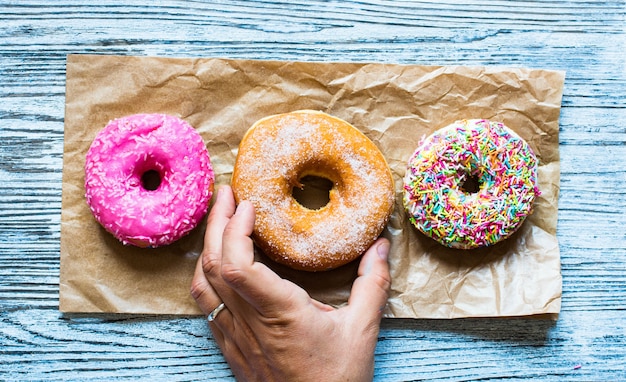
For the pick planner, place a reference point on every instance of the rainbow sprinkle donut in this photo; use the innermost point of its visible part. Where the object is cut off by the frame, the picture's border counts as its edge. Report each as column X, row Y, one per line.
column 470, row 184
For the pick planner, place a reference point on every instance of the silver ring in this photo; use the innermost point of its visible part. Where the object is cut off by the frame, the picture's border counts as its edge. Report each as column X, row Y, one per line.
column 215, row 312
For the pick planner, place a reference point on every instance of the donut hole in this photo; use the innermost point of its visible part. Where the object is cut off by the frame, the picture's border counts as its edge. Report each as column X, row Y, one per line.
column 313, row 192
column 151, row 180
column 471, row 184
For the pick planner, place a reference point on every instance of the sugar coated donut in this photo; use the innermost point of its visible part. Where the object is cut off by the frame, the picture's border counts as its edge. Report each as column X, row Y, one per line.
column 470, row 184
column 148, row 179
column 274, row 156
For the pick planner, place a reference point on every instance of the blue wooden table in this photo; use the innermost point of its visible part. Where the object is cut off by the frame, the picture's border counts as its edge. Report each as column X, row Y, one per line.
column 587, row 39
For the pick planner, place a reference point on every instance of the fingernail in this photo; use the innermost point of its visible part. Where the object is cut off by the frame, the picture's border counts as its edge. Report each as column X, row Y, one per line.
column 242, row 207
column 220, row 193
column 383, row 249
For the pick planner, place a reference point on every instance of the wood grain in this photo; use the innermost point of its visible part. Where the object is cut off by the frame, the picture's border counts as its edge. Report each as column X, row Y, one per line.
column 587, row 39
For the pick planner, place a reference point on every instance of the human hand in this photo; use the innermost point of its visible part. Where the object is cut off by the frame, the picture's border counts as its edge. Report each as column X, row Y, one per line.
column 271, row 328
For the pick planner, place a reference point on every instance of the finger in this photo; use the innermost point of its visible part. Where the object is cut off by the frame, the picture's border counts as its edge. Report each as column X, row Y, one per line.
column 371, row 288
column 223, row 323
column 253, row 281
column 238, row 344
column 220, row 215
column 208, row 300
column 202, row 291
column 208, row 288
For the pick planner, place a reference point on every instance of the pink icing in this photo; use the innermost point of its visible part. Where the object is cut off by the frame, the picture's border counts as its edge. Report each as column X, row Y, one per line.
column 165, row 147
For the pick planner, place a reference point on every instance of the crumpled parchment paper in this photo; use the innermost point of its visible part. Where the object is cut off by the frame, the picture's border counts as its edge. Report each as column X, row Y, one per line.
column 394, row 105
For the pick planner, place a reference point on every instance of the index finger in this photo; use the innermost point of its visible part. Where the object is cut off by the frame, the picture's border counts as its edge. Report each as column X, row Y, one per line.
column 267, row 292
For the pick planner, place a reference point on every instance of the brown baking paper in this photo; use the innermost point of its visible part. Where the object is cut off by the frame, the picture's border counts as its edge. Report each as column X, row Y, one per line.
column 394, row 105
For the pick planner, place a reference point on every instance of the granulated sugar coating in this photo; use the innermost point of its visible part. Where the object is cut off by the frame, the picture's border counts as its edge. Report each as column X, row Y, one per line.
column 277, row 152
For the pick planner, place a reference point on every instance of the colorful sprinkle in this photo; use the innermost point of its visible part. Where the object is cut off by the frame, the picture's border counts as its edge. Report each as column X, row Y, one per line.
column 489, row 152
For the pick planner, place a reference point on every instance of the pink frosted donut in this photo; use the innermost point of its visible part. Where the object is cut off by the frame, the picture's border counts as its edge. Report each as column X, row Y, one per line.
column 148, row 179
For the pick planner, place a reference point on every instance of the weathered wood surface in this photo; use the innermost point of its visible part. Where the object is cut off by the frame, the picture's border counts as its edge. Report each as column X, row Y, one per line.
column 587, row 39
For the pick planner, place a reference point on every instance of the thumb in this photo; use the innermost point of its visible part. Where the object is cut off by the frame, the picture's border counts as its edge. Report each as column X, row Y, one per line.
column 371, row 288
